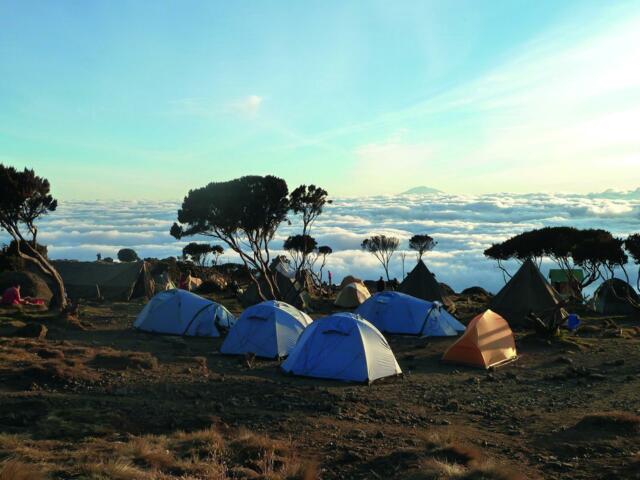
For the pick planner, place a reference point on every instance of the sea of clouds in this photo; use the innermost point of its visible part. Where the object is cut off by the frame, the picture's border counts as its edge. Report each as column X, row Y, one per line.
column 462, row 225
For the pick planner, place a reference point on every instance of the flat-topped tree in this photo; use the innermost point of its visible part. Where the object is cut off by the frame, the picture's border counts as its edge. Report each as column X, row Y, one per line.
column 244, row 214
column 383, row 248
column 299, row 248
column 308, row 202
column 632, row 244
column 596, row 251
column 199, row 252
column 24, row 198
column 128, row 255
column 422, row 243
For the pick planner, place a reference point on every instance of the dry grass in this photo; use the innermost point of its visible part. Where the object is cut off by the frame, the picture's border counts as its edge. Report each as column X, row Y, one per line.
column 203, row 454
column 611, row 423
column 13, row 469
column 118, row 360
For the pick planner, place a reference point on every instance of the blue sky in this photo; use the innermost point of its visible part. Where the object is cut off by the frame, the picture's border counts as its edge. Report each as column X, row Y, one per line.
column 144, row 100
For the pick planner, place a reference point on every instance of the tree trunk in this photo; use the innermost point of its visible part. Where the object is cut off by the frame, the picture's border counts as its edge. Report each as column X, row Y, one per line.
column 48, row 269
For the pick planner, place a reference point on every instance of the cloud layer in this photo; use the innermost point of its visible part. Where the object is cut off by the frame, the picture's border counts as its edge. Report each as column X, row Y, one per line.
column 463, row 226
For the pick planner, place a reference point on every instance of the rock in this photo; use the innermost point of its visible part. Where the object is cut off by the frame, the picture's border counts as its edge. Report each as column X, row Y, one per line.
column 563, row 359
column 32, row 330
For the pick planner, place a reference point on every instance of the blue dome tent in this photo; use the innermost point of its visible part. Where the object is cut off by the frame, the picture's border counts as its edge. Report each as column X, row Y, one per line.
column 269, row 329
column 343, row 347
column 178, row 312
column 395, row 312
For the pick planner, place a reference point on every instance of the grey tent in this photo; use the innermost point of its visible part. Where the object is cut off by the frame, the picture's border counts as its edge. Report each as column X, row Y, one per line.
column 290, row 291
column 421, row 283
column 527, row 292
column 616, row 297
column 111, row 281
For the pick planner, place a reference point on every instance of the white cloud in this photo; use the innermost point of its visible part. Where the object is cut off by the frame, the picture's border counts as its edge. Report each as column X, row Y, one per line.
column 463, row 226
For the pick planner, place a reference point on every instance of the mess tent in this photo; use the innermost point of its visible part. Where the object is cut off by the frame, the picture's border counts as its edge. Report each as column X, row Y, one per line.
column 269, row 329
column 395, row 312
column 178, row 312
column 527, row 292
column 105, row 280
column 342, row 347
column 487, row 342
column 352, row 295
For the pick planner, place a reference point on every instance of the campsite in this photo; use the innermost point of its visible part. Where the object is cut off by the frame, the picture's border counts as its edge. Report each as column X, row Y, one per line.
column 102, row 400
column 320, row 240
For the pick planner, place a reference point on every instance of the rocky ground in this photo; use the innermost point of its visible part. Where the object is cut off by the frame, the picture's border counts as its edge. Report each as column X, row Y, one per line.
column 97, row 400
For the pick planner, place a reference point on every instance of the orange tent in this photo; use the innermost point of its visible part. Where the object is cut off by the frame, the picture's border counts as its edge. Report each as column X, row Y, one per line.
column 487, row 342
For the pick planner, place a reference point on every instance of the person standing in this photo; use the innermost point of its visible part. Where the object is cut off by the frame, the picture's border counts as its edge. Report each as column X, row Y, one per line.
column 380, row 284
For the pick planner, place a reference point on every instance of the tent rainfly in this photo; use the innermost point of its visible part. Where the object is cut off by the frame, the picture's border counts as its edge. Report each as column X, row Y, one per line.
column 395, row 312
column 616, row 297
column 343, row 347
column 178, row 312
column 487, row 342
column 269, row 329
column 526, row 292
column 421, row 283
column 352, row 295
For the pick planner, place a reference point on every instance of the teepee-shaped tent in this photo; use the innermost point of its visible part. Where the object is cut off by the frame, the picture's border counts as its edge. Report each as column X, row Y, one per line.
column 178, row 312
column 352, row 295
column 395, row 312
column 487, row 342
column 526, row 292
column 344, row 347
column 421, row 283
column 269, row 329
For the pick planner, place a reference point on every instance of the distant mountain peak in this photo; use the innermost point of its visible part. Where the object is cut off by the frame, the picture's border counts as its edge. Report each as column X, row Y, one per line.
column 421, row 190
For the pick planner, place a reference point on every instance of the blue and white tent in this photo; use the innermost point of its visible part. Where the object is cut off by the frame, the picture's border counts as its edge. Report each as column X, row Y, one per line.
column 269, row 329
column 395, row 312
column 344, row 347
column 178, row 312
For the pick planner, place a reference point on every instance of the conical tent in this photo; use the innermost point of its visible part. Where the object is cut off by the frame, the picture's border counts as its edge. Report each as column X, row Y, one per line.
column 352, row 295
column 269, row 329
column 395, row 312
column 344, row 347
column 616, row 297
column 487, row 342
column 421, row 283
column 178, row 312
column 527, row 292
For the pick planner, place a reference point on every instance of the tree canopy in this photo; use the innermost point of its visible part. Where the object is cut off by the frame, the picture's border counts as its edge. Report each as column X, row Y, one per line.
column 244, row 214
column 199, row 252
column 422, row 243
column 596, row 251
column 128, row 255
column 383, row 248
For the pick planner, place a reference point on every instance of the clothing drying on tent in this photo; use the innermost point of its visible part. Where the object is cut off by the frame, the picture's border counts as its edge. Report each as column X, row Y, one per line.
column 421, row 283
column 527, row 292
column 352, row 295
column 487, row 342
column 269, row 329
column 178, row 312
column 344, row 347
column 395, row 312
column 616, row 297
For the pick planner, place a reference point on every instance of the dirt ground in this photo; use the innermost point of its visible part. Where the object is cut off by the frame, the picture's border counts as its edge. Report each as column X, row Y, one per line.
column 99, row 401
